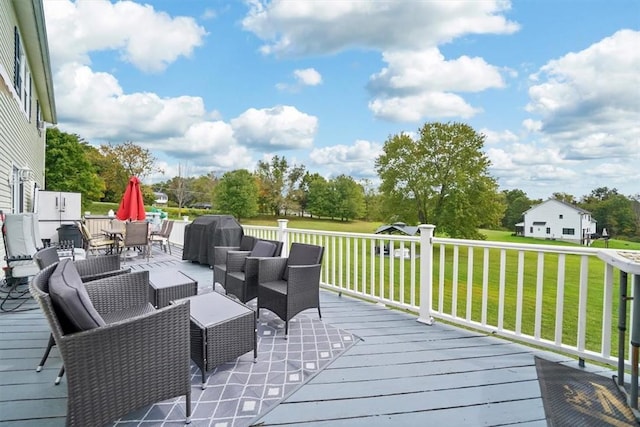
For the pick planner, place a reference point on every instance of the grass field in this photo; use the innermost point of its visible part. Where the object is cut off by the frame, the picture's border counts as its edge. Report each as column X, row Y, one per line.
column 365, row 271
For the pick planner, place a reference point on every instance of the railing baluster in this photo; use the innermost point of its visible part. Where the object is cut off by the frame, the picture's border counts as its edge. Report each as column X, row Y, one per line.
column 501, row 295
column 454, row 281
column 469, row 307
column 560, row 299
column 539, row 285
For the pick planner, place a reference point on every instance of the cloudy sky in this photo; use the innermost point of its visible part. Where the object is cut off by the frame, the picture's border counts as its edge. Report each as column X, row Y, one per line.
column 218, row 85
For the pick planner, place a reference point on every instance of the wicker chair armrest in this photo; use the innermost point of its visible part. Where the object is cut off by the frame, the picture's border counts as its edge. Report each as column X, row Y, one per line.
column 98, row 264
column 97, row 276
column 235, row 260
column 18, row 258
column 220, row 253
column 270, row 269
column 119, row 292
column 151, row 351
column 303, row 277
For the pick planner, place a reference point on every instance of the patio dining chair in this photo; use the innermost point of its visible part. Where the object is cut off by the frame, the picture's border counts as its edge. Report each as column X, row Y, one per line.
column 119, row 352
column 136, row 235
column 95, row 243
column 162, row 236
column 287, row 286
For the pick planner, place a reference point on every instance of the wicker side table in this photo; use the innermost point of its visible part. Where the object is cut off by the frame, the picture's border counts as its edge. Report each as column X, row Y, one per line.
column 168, row 285
column 222, row 330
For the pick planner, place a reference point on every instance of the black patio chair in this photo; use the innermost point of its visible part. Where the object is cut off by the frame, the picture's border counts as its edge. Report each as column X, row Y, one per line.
column 120, row 353
column 287, row 286
column 89, row 269
column 220, row 257
column 241, row 279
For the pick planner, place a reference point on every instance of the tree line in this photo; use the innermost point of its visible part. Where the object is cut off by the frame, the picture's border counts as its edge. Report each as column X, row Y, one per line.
column 439, row 176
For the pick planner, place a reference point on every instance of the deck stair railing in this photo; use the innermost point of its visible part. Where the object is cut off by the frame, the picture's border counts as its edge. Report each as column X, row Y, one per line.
column 563, row 298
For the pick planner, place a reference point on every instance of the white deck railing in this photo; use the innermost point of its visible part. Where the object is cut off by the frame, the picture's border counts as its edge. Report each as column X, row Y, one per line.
column 563, row 298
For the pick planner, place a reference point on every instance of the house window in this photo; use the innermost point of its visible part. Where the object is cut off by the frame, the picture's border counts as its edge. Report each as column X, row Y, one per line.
column 530, row 229
column 548, row 230
column 569, row 231
column 22, row 75
column 560, row 216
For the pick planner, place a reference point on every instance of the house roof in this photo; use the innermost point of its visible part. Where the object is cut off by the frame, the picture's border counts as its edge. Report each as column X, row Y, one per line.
column 579, row 209
column 398, row 227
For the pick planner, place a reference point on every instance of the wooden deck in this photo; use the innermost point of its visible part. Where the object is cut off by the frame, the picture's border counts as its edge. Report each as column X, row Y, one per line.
column 402, row 373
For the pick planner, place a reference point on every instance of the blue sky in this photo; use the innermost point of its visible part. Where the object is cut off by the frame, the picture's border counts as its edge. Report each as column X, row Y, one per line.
column 214, row 85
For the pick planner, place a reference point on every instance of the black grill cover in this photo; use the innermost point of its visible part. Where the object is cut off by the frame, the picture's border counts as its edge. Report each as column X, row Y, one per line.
column 208, row 231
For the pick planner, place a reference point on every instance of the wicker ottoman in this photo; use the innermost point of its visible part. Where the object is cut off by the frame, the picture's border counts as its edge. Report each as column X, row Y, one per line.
column 168, row 285
column 222, row 330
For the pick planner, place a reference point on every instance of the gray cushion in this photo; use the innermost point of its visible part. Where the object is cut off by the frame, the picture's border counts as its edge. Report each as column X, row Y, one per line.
column 247, row 242
column 71, row 300
column 302, row 254
column 262, row 249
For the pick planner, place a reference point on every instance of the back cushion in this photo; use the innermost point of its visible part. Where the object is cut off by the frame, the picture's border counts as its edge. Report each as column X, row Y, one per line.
column 301, row 254
column 262, row 249
column 71, row 300
column 247, row 242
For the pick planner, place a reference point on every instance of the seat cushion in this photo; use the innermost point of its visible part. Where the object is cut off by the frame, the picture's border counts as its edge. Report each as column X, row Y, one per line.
column 71, row 300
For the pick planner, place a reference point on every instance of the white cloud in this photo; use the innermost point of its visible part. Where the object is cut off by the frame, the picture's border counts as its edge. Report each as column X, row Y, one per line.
column 586, row 99
column 283, row 127
column 210, row 144
column 144, row 37
column 96, row 107
column 532, row 125
column 495, row 137
column 308, row 77
column 356, row 160
column 414, row 107
column 320, row 27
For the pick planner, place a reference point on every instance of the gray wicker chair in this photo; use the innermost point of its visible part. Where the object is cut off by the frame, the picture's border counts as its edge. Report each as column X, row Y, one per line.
column 220, row 257
column 89, row 269
column 287, row 286
column 242, row 270
column 141, row 356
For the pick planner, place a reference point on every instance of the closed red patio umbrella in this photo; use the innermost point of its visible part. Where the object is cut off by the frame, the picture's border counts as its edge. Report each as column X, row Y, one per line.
column 132, row 204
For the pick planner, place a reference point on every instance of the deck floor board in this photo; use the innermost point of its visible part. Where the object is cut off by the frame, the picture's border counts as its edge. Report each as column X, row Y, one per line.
column 401, row 372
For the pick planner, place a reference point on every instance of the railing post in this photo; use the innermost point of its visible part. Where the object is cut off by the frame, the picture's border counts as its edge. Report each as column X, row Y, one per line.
column 426, row 272
column 283, row 236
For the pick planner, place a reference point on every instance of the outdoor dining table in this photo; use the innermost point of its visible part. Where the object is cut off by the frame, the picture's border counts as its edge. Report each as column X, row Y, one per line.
column 114, row 234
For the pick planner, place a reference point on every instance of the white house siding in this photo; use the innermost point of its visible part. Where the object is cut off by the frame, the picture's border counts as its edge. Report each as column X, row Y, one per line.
column 554, row 219
column 22, row 144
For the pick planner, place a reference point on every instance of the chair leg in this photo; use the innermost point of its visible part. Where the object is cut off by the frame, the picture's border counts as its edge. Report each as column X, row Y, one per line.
column 50, row 345
column 319, row 314
column 60, row 375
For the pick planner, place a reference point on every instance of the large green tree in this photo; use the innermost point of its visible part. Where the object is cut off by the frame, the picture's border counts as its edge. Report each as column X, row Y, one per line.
column 68, row 167
column 272, row 178
column 347, row 198
column 237, row 194
column 111, row 171
column 441, row 178
column 517, row 203
column 135, row 160
column 612, row 211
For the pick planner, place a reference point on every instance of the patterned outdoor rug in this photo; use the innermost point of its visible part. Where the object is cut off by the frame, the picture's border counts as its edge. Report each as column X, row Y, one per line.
column 240, row 391
column 573, row 397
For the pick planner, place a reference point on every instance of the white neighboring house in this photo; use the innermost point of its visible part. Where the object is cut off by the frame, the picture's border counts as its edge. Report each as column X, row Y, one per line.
column 558, row 220
column 161, row 198
column 26, row 103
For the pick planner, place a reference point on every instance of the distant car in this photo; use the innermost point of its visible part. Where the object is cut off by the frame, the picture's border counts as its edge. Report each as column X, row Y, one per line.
column 201, row 206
